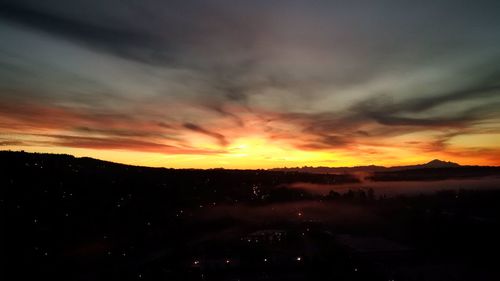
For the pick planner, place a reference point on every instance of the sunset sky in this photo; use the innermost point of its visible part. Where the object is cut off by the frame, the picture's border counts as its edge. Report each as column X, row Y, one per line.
column 252, row 84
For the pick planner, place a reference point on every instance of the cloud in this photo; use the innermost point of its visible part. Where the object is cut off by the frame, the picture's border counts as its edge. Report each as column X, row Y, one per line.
column 10, row 142
column 123, row 41
column 125, row 144
column 219, row 137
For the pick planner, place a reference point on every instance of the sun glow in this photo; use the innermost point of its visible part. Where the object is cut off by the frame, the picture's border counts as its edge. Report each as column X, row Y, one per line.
column 254, row 152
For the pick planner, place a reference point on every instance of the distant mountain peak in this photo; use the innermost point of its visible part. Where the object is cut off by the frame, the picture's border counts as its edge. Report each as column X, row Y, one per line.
column 436, row 163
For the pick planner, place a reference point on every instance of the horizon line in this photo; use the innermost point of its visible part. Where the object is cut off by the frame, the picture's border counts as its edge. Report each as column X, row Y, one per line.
column 223, row 168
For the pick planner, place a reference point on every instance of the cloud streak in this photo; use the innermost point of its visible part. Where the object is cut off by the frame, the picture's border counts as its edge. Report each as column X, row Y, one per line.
column 219, row 137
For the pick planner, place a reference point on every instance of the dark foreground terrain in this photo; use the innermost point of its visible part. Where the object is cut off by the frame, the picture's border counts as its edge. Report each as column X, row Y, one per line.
column 72, row 218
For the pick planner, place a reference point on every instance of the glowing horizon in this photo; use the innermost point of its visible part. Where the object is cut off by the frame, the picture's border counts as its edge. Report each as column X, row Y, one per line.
column 242, row 159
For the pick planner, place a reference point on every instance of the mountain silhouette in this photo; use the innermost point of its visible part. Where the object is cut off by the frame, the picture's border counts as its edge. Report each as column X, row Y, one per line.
column 436, row 163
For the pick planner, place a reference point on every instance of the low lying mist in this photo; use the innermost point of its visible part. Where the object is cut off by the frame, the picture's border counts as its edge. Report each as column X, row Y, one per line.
column 394, row 188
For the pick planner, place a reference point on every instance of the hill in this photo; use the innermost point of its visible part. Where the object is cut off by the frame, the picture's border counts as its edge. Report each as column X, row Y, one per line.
column 370, row 168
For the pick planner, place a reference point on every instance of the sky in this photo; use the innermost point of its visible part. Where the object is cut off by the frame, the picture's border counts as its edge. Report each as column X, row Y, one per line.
column 252, row 84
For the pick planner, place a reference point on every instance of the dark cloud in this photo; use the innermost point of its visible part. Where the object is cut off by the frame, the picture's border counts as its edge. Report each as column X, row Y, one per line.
column 218, row 108
column 118, row 132
column 124, row 144
column 151, row 32
column 422, row 104
column 219, row 137
column 122, row 41
column 387, row 112
column 10, row 142
column 381, row 116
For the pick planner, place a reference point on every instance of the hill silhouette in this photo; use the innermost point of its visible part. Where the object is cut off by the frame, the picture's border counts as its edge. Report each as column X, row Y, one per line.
column 436, row 163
